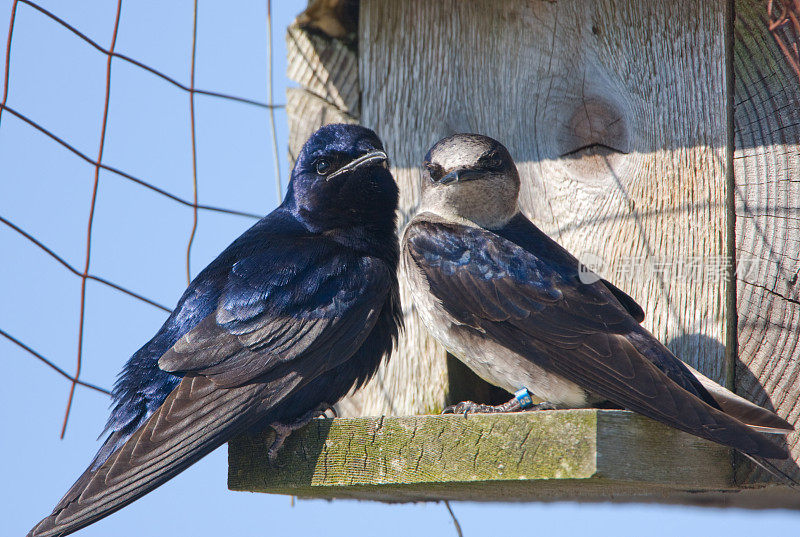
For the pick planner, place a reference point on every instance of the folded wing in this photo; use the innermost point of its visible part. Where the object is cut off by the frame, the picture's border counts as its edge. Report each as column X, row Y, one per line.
column 578, row 331
column 276, row 328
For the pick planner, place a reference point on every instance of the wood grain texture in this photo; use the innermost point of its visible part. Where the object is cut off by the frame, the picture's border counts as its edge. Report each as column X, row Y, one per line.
column 614, row 112
column 325, row 67
column 586, row 455
column 767, row 205
column 327, row 72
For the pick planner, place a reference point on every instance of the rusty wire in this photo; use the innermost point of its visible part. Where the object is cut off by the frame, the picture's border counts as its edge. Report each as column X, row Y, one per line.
column 90, row 224
column 51, row 364
column 90, row 41
column 784, row 25
column 76, row 272
column 85, row 274
column 116, row 171
column 8, row 58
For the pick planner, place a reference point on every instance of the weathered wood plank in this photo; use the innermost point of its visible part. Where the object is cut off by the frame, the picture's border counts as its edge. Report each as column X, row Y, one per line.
column 767, row 205
column 571, row 454
column 325, row 67
column 327, row 71
column 645, row 79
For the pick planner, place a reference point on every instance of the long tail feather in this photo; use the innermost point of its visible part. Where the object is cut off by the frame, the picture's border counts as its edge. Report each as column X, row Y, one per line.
column 740, row 408
column 196, row 418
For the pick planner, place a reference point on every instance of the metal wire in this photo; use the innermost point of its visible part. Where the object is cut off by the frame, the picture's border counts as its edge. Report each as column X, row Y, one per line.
column 75, row 271
column 121, row 173
column 84, row 273
column 90, row 224
column 455, row 519
column 8, row 59
column 272, row 110
column 87, row 39
column 194, row 148
column 784, row 24
column 51, row 364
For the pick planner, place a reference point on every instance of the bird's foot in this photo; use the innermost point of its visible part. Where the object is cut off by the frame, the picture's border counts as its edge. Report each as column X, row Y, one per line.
column 324, row 409
column 513, row 405
column 464, row 407
column 471, row 407
column 283, row 430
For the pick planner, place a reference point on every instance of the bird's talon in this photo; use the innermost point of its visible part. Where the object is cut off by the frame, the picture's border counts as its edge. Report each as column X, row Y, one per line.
column 282, row 432
column 471, row 407
column 452, row 409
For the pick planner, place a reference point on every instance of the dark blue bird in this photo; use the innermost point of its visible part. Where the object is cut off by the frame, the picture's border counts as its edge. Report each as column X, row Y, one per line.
column 295, row 313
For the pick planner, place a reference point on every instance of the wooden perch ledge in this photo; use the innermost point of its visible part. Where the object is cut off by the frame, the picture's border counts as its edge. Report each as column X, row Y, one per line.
column 579, row 455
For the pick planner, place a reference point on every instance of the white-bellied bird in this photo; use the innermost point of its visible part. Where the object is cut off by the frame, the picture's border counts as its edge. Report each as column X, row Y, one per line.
column 512, row 304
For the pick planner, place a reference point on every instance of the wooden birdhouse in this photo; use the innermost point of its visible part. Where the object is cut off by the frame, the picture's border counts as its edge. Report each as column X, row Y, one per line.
column 659, row 142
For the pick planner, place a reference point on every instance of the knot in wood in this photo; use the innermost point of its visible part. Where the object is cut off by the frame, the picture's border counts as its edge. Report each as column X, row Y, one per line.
column 595, row 137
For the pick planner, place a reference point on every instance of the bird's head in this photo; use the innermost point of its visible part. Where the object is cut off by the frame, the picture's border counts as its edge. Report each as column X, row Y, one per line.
column 342, row 178
column 470, row 177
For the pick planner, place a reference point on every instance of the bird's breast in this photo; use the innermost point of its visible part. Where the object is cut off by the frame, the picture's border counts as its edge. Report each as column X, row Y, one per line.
column 488, row 359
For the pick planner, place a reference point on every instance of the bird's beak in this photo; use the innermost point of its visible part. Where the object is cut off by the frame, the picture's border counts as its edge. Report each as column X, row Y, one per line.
column 451, row 177
column 459, row 175
column 369, row 158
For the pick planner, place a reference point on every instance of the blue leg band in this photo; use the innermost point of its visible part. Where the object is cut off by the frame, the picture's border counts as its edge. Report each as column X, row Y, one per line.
column 524, row 398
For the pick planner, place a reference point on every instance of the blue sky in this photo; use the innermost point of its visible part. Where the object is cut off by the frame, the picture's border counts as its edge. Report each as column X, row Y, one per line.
column 139, row 241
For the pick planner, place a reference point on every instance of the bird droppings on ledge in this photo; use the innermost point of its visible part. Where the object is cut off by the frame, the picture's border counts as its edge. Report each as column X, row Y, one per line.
column 584, row 455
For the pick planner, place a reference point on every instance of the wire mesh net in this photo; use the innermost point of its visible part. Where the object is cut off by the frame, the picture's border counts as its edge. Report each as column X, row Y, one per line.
column 784, row 24
column 28, row 12
column 782, row 17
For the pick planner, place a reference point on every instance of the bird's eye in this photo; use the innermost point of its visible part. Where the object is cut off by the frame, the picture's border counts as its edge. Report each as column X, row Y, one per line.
column 323, row 166
column 491, row 161
column 434, row 170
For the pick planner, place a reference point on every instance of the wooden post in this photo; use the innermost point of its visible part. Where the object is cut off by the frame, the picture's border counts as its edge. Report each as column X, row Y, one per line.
column 767, row 219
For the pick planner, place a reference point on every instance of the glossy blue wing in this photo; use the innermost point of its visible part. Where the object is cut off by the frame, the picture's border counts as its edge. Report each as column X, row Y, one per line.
column 312, row 310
